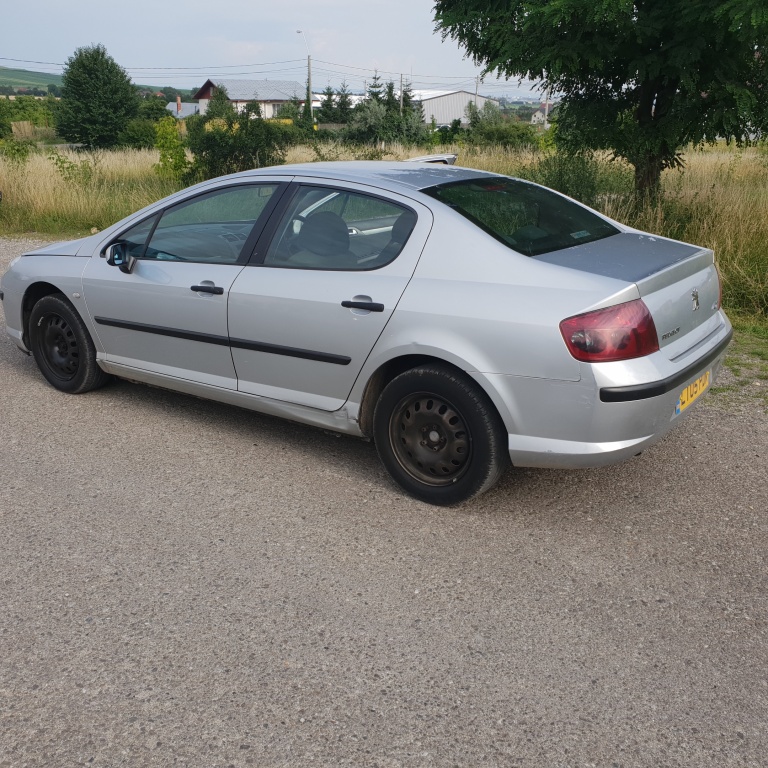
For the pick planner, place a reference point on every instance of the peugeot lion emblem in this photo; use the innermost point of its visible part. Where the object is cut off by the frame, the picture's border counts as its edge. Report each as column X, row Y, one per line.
column 695, row 297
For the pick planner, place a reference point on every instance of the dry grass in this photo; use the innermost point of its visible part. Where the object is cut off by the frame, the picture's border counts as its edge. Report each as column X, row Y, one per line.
column 86, row 191
column 720, row 200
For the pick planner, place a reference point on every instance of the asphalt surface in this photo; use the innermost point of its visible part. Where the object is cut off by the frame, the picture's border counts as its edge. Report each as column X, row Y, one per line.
column 185, row 583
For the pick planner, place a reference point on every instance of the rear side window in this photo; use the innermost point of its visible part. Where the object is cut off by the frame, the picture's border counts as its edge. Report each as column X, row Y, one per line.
column 527, row 218
column 328, row 228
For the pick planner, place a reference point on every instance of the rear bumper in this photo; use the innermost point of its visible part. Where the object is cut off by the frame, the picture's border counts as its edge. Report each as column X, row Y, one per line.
column 597, row 420
column 569, row 454
column 657, row 388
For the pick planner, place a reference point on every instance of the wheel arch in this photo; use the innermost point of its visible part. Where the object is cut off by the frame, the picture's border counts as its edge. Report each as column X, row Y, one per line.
column 32, row 295
column 397, row 365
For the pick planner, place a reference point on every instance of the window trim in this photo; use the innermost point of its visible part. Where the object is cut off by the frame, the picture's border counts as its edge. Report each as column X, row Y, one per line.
column 269, row 232
column 248, row 244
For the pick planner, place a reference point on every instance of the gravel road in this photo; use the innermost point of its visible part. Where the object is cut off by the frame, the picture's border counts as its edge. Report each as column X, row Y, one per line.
column 184, row 583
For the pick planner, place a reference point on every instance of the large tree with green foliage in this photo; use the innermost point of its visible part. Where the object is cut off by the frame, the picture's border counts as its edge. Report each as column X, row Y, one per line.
column 642, row 78
column 97, row 99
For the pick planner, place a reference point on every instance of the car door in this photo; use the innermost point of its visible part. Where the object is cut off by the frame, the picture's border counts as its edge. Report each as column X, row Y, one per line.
column 327, row 276
column 169, row 314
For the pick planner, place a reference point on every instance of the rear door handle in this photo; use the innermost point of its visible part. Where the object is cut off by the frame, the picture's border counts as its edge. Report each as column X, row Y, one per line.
column 215, row 289
column 371, row 306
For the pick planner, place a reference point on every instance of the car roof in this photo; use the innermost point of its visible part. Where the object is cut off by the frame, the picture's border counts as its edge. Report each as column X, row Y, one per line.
column 390, row 175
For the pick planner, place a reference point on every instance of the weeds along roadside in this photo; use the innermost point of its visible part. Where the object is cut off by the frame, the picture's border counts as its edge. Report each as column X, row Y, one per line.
column 719, row 201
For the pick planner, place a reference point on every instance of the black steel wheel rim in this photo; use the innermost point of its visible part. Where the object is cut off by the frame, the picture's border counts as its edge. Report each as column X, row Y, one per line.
column 59, row 346
column 430, row 439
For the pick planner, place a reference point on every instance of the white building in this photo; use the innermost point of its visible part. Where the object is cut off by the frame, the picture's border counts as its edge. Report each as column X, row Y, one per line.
column 271, row 94
column 447, row 106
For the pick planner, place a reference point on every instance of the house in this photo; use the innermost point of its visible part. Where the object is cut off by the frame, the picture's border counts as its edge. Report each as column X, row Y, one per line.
column 447, row 106
column 181, row 109
column 544, row 114
column 271, row 94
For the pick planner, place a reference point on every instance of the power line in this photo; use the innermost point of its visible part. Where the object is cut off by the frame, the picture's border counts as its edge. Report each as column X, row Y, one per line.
column 348, row 72
column 163, row 69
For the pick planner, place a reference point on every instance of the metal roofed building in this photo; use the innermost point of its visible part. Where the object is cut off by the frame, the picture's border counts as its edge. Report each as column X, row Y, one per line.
column 271, row 94
column 182, row 110
column 447, row 106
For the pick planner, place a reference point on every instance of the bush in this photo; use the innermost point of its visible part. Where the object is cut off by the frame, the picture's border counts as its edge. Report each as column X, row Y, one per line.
column 489, row 127
column 139, row 133
column 575, row 176
column 582, row 177
column 173, row 162
column 17, row 151
column 80, row 173
column 226, row 141
column 505, row 134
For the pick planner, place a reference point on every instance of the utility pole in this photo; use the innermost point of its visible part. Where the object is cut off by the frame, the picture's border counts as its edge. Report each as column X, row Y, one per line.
column 309, row 76
column 477, row 86
column 401, row 94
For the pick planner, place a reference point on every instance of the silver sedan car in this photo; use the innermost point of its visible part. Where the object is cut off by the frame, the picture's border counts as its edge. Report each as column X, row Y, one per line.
column 462, row 320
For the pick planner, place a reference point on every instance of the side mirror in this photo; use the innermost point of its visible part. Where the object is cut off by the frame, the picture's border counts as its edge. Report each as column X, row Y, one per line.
column 117, row 257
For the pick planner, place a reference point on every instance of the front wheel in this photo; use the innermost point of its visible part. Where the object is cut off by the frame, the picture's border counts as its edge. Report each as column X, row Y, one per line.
column 439, row 436
column 62, row 347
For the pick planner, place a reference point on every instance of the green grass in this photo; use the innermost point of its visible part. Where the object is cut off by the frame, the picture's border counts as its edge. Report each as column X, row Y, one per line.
column 746, row 364
column 23, row 78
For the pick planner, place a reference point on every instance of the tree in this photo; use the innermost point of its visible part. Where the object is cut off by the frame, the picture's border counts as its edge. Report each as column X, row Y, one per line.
column 344, row 106
column 153, row 109
column 326, row 113
column 375, row 88
column 290, row 110
column 97, row 99
column 642, row 78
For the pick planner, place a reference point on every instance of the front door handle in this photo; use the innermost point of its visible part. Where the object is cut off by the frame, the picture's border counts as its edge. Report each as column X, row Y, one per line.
column 371, row 306
column 215, row 289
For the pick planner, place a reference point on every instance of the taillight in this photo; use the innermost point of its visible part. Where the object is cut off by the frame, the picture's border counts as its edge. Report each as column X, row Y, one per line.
column 622, row 332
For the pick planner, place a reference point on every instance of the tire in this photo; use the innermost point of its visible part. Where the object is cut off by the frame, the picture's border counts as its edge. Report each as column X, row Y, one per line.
column 439, row 436
column 63, row 348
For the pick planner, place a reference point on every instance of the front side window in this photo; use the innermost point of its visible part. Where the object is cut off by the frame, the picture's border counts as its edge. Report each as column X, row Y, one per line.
column 529, row 219
column 336, row 229
column 210, row 228
column 132, row 242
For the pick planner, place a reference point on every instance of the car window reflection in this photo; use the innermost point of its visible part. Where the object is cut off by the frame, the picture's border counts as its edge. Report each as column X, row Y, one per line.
column 332, row 229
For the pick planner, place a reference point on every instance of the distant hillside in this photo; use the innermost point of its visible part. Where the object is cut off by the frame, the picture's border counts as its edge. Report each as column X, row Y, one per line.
column 23, row 78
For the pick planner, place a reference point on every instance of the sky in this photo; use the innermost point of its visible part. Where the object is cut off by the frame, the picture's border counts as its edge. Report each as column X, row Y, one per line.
column 184, row 43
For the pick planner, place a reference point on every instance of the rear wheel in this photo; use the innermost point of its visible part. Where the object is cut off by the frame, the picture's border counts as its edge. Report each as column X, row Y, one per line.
column 62, row 348
column 439, row 436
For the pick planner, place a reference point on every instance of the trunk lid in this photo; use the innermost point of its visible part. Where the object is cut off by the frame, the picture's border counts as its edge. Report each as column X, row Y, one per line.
column 678, row 282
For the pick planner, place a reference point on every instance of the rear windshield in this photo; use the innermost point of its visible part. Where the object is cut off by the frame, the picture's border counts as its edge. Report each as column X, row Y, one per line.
column 527, row 218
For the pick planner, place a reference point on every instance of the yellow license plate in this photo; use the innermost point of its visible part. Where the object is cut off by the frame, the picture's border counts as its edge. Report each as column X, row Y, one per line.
column 692, row 391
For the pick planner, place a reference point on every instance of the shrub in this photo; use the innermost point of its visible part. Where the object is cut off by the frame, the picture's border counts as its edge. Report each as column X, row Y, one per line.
column 79, row 173
column 139, row 133
column 225, row 141
column 17, row 151
column 173, row 162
